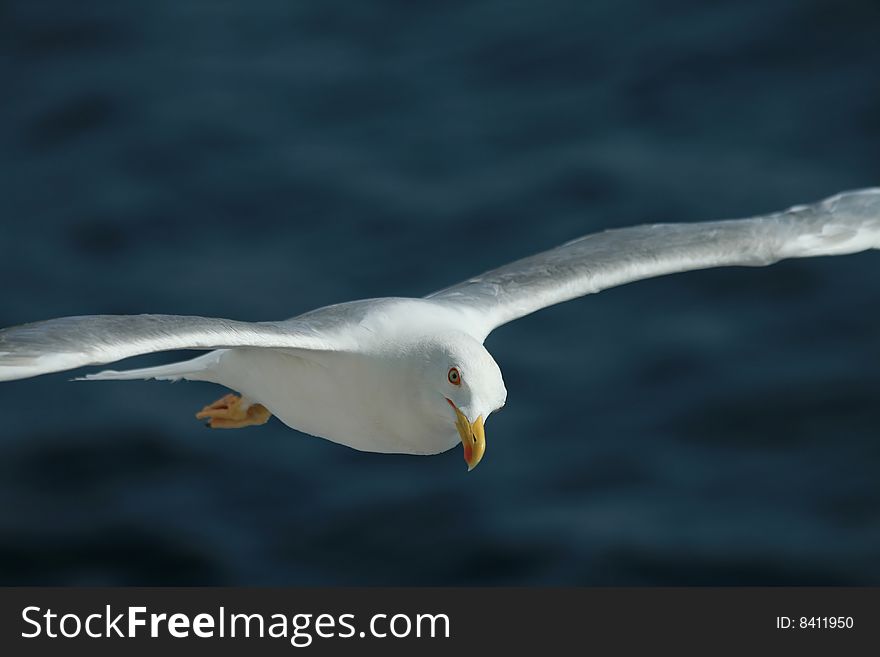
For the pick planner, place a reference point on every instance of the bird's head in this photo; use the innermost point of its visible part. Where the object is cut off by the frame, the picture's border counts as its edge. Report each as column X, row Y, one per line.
column 461, row 385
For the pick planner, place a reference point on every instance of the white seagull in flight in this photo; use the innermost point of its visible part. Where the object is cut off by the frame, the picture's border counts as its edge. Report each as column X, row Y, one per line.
column 412, row 375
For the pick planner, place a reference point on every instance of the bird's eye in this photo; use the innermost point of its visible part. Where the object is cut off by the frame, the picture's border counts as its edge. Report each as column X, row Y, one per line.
column 454, row 376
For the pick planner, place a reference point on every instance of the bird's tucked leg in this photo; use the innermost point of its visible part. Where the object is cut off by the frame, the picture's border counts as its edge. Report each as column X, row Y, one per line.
column 232, row 412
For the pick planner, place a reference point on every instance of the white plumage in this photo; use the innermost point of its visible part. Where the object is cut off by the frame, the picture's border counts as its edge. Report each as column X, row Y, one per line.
column 376, row 374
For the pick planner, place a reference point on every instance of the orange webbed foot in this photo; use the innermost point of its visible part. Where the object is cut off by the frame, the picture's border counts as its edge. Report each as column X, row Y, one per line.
column 230, row 412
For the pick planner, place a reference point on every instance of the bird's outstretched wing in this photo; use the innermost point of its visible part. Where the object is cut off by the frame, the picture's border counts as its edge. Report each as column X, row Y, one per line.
column 846, row 223
column 62, row 344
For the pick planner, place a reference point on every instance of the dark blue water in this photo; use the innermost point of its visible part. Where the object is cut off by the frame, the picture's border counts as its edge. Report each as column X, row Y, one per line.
column 257, row 159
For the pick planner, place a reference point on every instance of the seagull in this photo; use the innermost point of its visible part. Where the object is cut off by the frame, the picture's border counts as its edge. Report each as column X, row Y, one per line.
column 411, row 375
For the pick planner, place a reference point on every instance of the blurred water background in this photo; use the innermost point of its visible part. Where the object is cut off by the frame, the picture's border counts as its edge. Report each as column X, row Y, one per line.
column 257, row 159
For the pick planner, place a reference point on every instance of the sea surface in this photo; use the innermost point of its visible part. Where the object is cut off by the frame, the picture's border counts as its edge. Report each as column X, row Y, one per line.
column 257, row 159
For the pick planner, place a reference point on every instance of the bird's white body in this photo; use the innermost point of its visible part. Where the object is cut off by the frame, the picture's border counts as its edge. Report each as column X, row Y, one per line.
column 334, row 395
column 345, row 396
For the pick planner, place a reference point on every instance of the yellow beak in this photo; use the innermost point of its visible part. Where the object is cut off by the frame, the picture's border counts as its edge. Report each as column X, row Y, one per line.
column 473, row 437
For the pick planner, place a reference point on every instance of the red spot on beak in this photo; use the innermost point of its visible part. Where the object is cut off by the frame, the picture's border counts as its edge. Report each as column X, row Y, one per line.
column 468, row 453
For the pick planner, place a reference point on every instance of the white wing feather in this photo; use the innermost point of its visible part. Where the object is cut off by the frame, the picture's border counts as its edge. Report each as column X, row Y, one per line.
column 846, row 223
column 69, row 342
